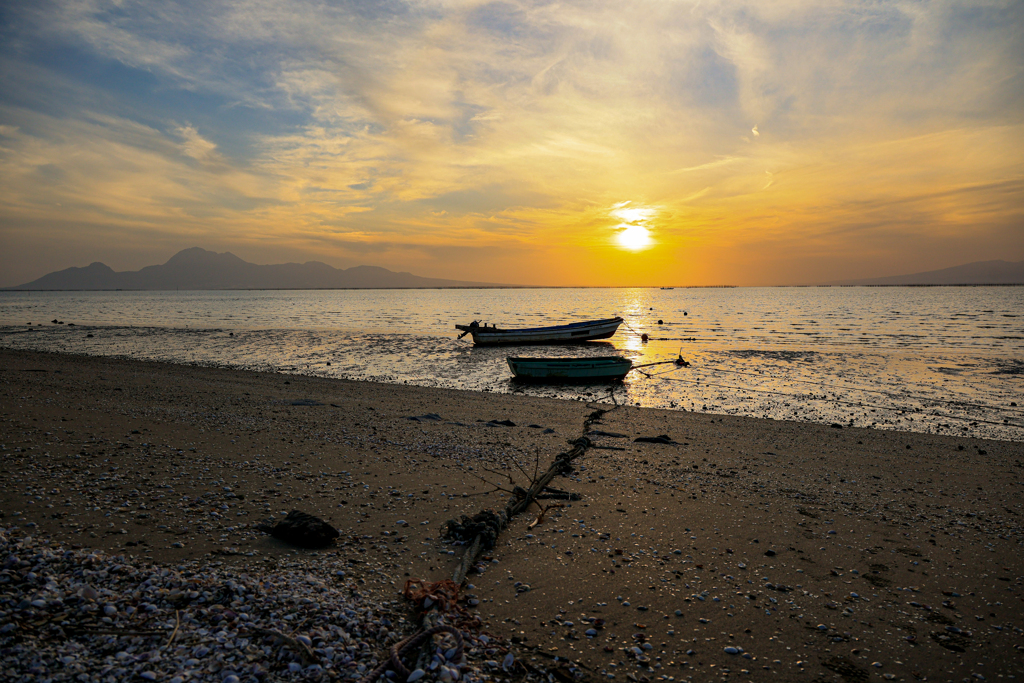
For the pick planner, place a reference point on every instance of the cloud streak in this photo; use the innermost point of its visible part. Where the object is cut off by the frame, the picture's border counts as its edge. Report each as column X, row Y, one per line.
column 341, row 131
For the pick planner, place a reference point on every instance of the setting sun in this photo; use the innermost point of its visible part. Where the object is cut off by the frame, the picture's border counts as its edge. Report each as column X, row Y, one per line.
column 634, row 238
column 634, row 228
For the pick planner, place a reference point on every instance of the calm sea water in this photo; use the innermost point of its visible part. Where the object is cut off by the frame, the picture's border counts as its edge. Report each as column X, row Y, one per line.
column 929, row 359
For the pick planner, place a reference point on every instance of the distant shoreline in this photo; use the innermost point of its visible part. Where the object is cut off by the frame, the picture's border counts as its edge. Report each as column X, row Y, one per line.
column 963, row 284
column 348, row 289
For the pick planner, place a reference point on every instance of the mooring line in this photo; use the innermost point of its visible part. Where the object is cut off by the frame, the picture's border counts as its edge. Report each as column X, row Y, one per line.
column 878, row 391
column 843, row 402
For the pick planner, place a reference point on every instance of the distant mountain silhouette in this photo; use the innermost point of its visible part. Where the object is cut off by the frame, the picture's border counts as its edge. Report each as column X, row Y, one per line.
column 198, row 268
column 977, row 273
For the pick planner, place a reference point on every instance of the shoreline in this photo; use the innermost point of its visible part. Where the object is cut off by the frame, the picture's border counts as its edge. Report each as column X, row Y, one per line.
column 770, row 383
column 345, row 289
column 866, row 527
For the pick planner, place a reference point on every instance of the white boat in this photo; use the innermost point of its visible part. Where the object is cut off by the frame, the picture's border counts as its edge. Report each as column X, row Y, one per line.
column 558, row 334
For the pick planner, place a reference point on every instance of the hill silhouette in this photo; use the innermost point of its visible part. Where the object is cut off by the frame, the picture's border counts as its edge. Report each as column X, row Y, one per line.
column 197, row 268
column 977, row 273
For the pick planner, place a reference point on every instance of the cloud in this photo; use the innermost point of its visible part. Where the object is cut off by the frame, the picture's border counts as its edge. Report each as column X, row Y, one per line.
column 102, row 170
column 475, row 123
column 195, row 146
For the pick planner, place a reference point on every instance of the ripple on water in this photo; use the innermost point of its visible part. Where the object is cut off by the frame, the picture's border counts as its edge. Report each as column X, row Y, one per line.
column 921, row 359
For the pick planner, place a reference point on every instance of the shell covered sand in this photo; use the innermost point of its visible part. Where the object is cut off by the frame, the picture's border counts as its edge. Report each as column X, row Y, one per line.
column 81, row 615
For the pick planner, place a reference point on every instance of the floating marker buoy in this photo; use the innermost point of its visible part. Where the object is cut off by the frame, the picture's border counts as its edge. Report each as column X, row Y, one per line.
column 644, row 337
column 660, row 321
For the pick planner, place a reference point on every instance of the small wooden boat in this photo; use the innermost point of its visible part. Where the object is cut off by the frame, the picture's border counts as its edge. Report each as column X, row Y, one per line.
column 595, row 369
column 558, row 334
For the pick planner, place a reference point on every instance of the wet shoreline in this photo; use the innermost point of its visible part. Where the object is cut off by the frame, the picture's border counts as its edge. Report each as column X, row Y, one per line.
column 919, row 391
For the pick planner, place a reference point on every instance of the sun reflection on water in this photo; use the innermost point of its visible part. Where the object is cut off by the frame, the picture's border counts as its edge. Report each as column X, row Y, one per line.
column 634, row 305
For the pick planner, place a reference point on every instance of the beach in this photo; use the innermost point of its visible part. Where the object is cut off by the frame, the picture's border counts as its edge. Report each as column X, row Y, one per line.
column 734, row 548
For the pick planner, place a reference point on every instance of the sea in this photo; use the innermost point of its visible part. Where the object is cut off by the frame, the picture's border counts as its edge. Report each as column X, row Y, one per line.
column 946, row 360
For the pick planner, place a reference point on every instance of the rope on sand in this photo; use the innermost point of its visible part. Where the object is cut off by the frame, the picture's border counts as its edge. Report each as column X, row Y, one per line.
column 483, row 528
column 402, row 647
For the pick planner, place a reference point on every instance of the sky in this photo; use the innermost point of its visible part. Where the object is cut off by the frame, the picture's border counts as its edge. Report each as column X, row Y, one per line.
column 648, row 143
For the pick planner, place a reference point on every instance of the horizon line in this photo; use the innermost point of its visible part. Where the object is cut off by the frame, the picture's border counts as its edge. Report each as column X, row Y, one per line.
column 328, row 289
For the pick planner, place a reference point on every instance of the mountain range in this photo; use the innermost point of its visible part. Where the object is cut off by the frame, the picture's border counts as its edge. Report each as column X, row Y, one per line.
column 198, row 268
column 977, row 273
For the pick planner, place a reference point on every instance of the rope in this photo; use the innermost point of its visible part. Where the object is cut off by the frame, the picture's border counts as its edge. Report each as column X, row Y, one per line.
column 402, row 647
column 840, row 401
column 639, row 334
column 487, row 524
column 922, row 399
column 880, row 392
column 877, row 391
column 676, row 361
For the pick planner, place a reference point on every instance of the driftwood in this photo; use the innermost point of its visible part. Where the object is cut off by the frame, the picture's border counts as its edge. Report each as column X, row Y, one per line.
column 468, row 558
column 663, row 439
column 484, row 527
column 303, row 650
column 177, row 625
column 497, row 521
column 540, row 517
column 76, row 630
column 557, row 494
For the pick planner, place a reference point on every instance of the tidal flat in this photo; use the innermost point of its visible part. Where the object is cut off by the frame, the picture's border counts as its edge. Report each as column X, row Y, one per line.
column 737, row 548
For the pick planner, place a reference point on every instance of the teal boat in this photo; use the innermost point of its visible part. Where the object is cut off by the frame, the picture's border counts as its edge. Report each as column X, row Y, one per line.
column 594, row 369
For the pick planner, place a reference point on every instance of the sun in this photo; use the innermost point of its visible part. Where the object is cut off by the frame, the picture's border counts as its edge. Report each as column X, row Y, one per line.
column 634, row 237
column 634, row 229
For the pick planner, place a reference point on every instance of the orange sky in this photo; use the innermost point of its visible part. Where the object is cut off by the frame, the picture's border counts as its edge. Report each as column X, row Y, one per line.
column 650, row 143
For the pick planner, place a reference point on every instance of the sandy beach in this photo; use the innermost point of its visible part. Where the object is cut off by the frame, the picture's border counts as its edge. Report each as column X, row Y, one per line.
column 735, row 549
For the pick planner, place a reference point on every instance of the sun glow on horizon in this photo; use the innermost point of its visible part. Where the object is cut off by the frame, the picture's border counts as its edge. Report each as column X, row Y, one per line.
column 634, row 229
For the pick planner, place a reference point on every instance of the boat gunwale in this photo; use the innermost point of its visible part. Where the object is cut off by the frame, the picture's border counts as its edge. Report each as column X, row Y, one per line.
column 568, row 359
column 618, row 320
column 565, row 369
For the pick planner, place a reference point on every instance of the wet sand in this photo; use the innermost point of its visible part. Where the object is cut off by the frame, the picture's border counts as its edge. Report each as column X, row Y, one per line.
column 748, row 550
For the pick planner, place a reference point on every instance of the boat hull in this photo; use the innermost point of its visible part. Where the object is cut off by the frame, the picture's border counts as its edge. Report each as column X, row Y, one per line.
column 597, row 369
column 558, row 334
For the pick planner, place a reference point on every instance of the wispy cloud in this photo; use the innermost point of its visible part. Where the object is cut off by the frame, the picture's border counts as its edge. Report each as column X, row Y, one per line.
column 441, row 126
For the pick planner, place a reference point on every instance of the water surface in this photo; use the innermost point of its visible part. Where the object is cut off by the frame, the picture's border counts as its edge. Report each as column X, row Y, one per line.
column 930, row 359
